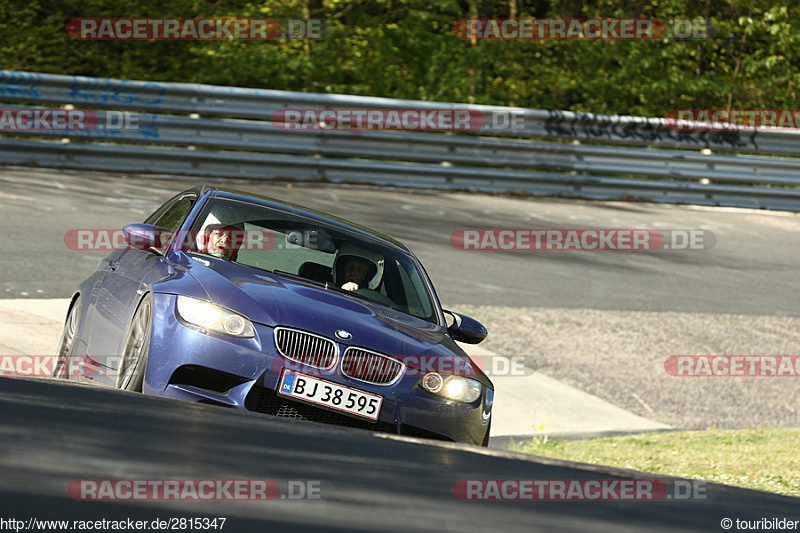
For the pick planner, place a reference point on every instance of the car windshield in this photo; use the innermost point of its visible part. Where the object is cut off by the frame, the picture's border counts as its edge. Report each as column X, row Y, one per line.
column 284, row 243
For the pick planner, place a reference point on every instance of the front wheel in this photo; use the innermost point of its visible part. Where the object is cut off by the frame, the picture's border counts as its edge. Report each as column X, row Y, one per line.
column 67, row 344
column 136, row 348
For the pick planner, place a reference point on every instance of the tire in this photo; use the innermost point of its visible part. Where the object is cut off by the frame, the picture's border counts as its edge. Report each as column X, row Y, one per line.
column 136, row 348
column 67, row 344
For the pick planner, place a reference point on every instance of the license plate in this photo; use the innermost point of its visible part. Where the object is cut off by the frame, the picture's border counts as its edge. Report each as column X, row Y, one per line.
column 339, row 397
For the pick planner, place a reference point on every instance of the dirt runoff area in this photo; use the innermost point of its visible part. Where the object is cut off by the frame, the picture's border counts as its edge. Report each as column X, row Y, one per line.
column 629, row 358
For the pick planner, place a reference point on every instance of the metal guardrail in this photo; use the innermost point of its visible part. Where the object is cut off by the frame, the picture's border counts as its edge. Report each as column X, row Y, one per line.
column 255, row 148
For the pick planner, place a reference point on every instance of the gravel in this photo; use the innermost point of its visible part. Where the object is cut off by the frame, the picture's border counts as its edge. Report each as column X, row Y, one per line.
column 619, row 356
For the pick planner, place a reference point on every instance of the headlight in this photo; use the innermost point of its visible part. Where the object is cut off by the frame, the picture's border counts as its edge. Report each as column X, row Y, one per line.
column 213, row 317
column 452, row 387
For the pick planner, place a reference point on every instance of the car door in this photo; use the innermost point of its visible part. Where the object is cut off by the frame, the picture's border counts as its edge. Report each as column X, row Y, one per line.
column 131, row 274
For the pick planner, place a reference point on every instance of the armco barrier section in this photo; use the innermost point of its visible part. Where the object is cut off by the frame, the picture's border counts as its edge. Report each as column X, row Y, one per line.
column 202, row 130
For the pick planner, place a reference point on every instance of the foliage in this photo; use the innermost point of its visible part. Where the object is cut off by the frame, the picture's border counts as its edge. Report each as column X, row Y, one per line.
column 407, row 49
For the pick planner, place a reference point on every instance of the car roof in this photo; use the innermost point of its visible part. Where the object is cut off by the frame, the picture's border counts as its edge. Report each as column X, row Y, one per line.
column 296, row 209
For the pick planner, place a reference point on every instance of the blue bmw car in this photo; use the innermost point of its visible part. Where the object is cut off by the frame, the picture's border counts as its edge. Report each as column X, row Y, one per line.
column 238, row 300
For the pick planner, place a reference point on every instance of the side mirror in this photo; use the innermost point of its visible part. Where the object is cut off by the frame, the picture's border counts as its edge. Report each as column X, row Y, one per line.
column 466, row 329
column 146, row 237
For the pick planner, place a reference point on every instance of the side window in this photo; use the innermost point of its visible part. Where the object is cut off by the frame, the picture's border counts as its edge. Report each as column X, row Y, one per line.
column 176, row 203
column 171, row 215
column 175, row 214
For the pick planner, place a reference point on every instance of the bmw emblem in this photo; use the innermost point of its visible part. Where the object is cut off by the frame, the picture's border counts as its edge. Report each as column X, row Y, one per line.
column 342, row 334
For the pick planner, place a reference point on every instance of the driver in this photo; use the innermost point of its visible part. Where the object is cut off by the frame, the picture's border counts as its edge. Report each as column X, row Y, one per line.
column 354, row 268
column 221, row 241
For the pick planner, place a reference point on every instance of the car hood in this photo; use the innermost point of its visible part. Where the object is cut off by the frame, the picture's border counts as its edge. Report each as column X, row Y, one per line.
column 277, row 300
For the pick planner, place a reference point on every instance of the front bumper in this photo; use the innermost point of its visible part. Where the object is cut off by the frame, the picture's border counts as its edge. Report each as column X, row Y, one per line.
column 188, row 364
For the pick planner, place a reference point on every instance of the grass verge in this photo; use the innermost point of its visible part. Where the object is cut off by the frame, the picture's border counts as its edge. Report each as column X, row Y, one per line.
column 763, row 458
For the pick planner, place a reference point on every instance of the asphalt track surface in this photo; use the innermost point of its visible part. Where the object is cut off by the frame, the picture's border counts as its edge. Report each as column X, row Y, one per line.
column 752, row 268
column 56, row 432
